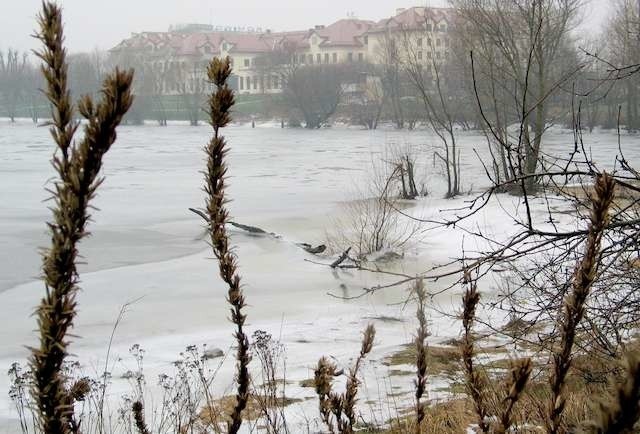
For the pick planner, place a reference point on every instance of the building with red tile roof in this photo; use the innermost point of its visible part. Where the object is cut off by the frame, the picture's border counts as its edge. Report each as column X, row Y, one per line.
column 187, row 49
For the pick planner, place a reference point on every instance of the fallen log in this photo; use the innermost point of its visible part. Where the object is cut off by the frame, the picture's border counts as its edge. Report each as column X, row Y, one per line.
column 258, row 231
column 311, row 249
column 250, row 229
column 341, row 259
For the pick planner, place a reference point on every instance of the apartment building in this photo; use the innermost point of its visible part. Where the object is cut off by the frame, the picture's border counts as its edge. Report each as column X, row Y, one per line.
column 176, row 59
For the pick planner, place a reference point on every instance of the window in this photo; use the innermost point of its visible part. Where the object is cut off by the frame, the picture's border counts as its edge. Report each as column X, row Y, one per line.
column 225, row 46
column 429, row 55
column 429, row 42
column 319, row 58
column 438, row 42
column 419, row 54
column 276, row 83
column 366, row 40
column 255, row 83
column 442, row 28
column 248, row 83
column 439, row 55
column 302, row 56
column 311, row 59
column 207, row 49
column 247, row 63
column 446, row 42
column 429, row 27
column 419, row 42
column 326, row 57
column 350, row 57
column 241, row 83
column 360, row 57
column 335, row 57
column 268, row 83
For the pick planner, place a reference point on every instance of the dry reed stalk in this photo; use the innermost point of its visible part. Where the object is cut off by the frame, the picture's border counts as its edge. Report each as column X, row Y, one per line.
column 475, row 383
column 421, row 354
column 520, row 372
column 574, row 304
column 78, row 167
column 349, row 400
column 220, row 103
column 323, row 380
column 138, row 417
column 341, row 406
column 621, row 413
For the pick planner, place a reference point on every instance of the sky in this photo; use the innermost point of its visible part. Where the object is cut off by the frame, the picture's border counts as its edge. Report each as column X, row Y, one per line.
column 101, row 24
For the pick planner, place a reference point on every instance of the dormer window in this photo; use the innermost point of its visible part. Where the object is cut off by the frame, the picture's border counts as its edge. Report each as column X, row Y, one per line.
column 207, row 49
column 225, row 46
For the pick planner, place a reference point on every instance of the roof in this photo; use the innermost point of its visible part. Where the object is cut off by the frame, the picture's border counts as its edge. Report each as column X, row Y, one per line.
column 186, row 44
column 347, row 32
column 344, row 32
column 414, row 18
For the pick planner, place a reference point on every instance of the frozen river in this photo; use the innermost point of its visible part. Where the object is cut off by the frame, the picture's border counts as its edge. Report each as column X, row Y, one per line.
column 147, row 246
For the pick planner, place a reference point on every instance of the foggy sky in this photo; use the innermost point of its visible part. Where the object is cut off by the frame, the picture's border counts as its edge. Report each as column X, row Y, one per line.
column 101, row 24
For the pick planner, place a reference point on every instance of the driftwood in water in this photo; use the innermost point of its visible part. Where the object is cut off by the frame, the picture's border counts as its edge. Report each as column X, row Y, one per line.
column 341, row 259
column 251, row 229
column 258, row 231
column 311, row 249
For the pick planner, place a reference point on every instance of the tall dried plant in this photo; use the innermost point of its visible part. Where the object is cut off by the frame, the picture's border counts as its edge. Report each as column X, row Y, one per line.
column 621, row 413
column 574, row 304
column 516, row 383
column 341, row 406
column 138, row 416
column 78, row 167
column 421, row 353
column 220, row 103
column 475, row 382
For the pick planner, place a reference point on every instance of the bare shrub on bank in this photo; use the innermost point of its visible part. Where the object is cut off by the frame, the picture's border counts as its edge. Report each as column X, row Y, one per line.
column 371, row 221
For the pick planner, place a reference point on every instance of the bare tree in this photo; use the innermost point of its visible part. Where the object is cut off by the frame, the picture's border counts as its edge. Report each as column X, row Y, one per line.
column 371, row 221
column 315, row 92
column 525, row 41
column 365, row 105
column 391, row 77
column 13, row 80
column 623, row 31
column 192, row 88
column 427, row 78
column 85, row 73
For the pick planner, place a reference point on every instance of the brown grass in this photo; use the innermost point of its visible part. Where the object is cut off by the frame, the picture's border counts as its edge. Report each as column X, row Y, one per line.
column 225, row 405
column 449, row 417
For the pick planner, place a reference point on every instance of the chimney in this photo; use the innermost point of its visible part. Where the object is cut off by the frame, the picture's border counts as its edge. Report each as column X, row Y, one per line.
column 399, row 11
